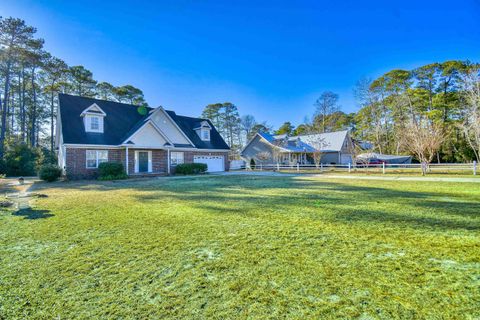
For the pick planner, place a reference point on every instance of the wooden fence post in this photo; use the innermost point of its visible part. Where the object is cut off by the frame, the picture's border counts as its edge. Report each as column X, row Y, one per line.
column 321, row 167
column 278, row 166
column 349, row 167
column 383, row 167
column 474, row 168
column 298, row 167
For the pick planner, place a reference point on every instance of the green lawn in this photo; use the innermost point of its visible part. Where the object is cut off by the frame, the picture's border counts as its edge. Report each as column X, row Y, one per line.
column 244, row 247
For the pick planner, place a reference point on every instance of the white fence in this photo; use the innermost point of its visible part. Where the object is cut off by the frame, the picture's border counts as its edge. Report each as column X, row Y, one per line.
column 457, row 168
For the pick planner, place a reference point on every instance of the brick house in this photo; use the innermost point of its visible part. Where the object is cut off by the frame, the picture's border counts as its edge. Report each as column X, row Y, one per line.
column 147, row 141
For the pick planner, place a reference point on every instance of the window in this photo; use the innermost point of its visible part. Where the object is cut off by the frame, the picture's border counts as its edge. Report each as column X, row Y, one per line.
column 176, row 158
column 93, row 123
column 95, row 157
column 205, row 134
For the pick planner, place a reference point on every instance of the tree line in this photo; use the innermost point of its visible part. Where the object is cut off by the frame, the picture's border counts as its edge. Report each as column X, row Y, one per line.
column 31, row 79
column 431, row 112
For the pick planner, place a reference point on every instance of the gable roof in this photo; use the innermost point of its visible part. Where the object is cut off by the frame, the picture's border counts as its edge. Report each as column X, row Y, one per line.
column 120, row 118
column 329, row 141
column 121, row 122
column 188, row 125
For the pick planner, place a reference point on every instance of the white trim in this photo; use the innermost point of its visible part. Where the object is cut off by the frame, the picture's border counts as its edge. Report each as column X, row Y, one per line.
column 202, row 130
column 177, row 152
column 172, row 121
column 96, row 158
column 93, row 146
column 87, row 121
column 204, row 124
column 101, row 146
column 168, row 161
column 154, row 126
column 149, row 161
column 200, row 150
column 94, row 105
column 126, row 160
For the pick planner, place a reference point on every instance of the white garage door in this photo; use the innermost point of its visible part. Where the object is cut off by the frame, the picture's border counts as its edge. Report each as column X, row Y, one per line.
column 214, row 163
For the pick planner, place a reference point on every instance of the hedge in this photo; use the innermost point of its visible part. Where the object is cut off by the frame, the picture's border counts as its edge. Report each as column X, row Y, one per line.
column 191, row 168
column 111, row 171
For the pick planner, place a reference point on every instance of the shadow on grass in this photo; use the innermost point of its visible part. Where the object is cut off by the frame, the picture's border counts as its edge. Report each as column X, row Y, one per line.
column 242, row 195
column 400, row 219
column 32, row 214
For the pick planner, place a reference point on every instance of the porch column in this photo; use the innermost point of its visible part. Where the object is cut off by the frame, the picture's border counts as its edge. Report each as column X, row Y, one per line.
column 168, row 161
column 126, row 160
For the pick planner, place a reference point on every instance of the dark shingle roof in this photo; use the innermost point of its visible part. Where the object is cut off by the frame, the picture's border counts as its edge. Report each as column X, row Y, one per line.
column 121, row 121
column 188, row 124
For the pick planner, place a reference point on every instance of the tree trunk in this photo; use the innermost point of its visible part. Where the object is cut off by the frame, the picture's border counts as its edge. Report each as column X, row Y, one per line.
column 33, row 136
column 4, row 109
column 23, row 118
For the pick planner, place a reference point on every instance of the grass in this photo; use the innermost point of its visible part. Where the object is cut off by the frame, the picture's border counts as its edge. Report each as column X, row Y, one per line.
column 243, row 247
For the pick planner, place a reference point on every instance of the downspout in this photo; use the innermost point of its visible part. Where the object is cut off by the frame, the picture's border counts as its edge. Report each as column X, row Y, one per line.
column 126, row 160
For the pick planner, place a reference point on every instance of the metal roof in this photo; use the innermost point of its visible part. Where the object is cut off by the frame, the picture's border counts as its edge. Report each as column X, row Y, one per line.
column 324, row 142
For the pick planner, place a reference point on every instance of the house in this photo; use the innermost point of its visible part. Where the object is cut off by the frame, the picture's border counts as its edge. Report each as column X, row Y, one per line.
column 330, row 148
column 147, row 141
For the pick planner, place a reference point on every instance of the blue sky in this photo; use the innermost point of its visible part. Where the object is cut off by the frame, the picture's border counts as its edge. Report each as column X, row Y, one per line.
column 271, row 58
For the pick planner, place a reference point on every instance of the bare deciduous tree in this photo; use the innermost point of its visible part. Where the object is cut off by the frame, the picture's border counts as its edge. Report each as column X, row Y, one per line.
column 423, row 139
column 326, row 104
column 471, row 125
column 319, row 144
column 263, row 156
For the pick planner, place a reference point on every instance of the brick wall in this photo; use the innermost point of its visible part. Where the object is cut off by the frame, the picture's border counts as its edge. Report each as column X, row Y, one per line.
column 76, row 161
column 159, row 161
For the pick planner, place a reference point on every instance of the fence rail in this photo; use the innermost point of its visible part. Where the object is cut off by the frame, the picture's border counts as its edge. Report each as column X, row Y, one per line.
column 458, row 168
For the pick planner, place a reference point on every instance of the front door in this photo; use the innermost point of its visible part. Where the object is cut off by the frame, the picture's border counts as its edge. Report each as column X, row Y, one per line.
column 143, row 161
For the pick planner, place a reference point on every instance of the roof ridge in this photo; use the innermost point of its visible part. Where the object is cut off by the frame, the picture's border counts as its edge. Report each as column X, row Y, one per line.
column 196, row 118
column 103, row 100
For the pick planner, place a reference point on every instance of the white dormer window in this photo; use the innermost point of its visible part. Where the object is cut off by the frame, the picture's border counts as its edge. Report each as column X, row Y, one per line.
column 93, row 123
column 93, row 118
column 205, row 132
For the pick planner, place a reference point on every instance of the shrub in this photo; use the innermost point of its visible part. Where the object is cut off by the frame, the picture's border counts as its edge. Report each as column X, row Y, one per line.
column 21, row 160
column 111, row 171
column 191, row 168
column 50, row 172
